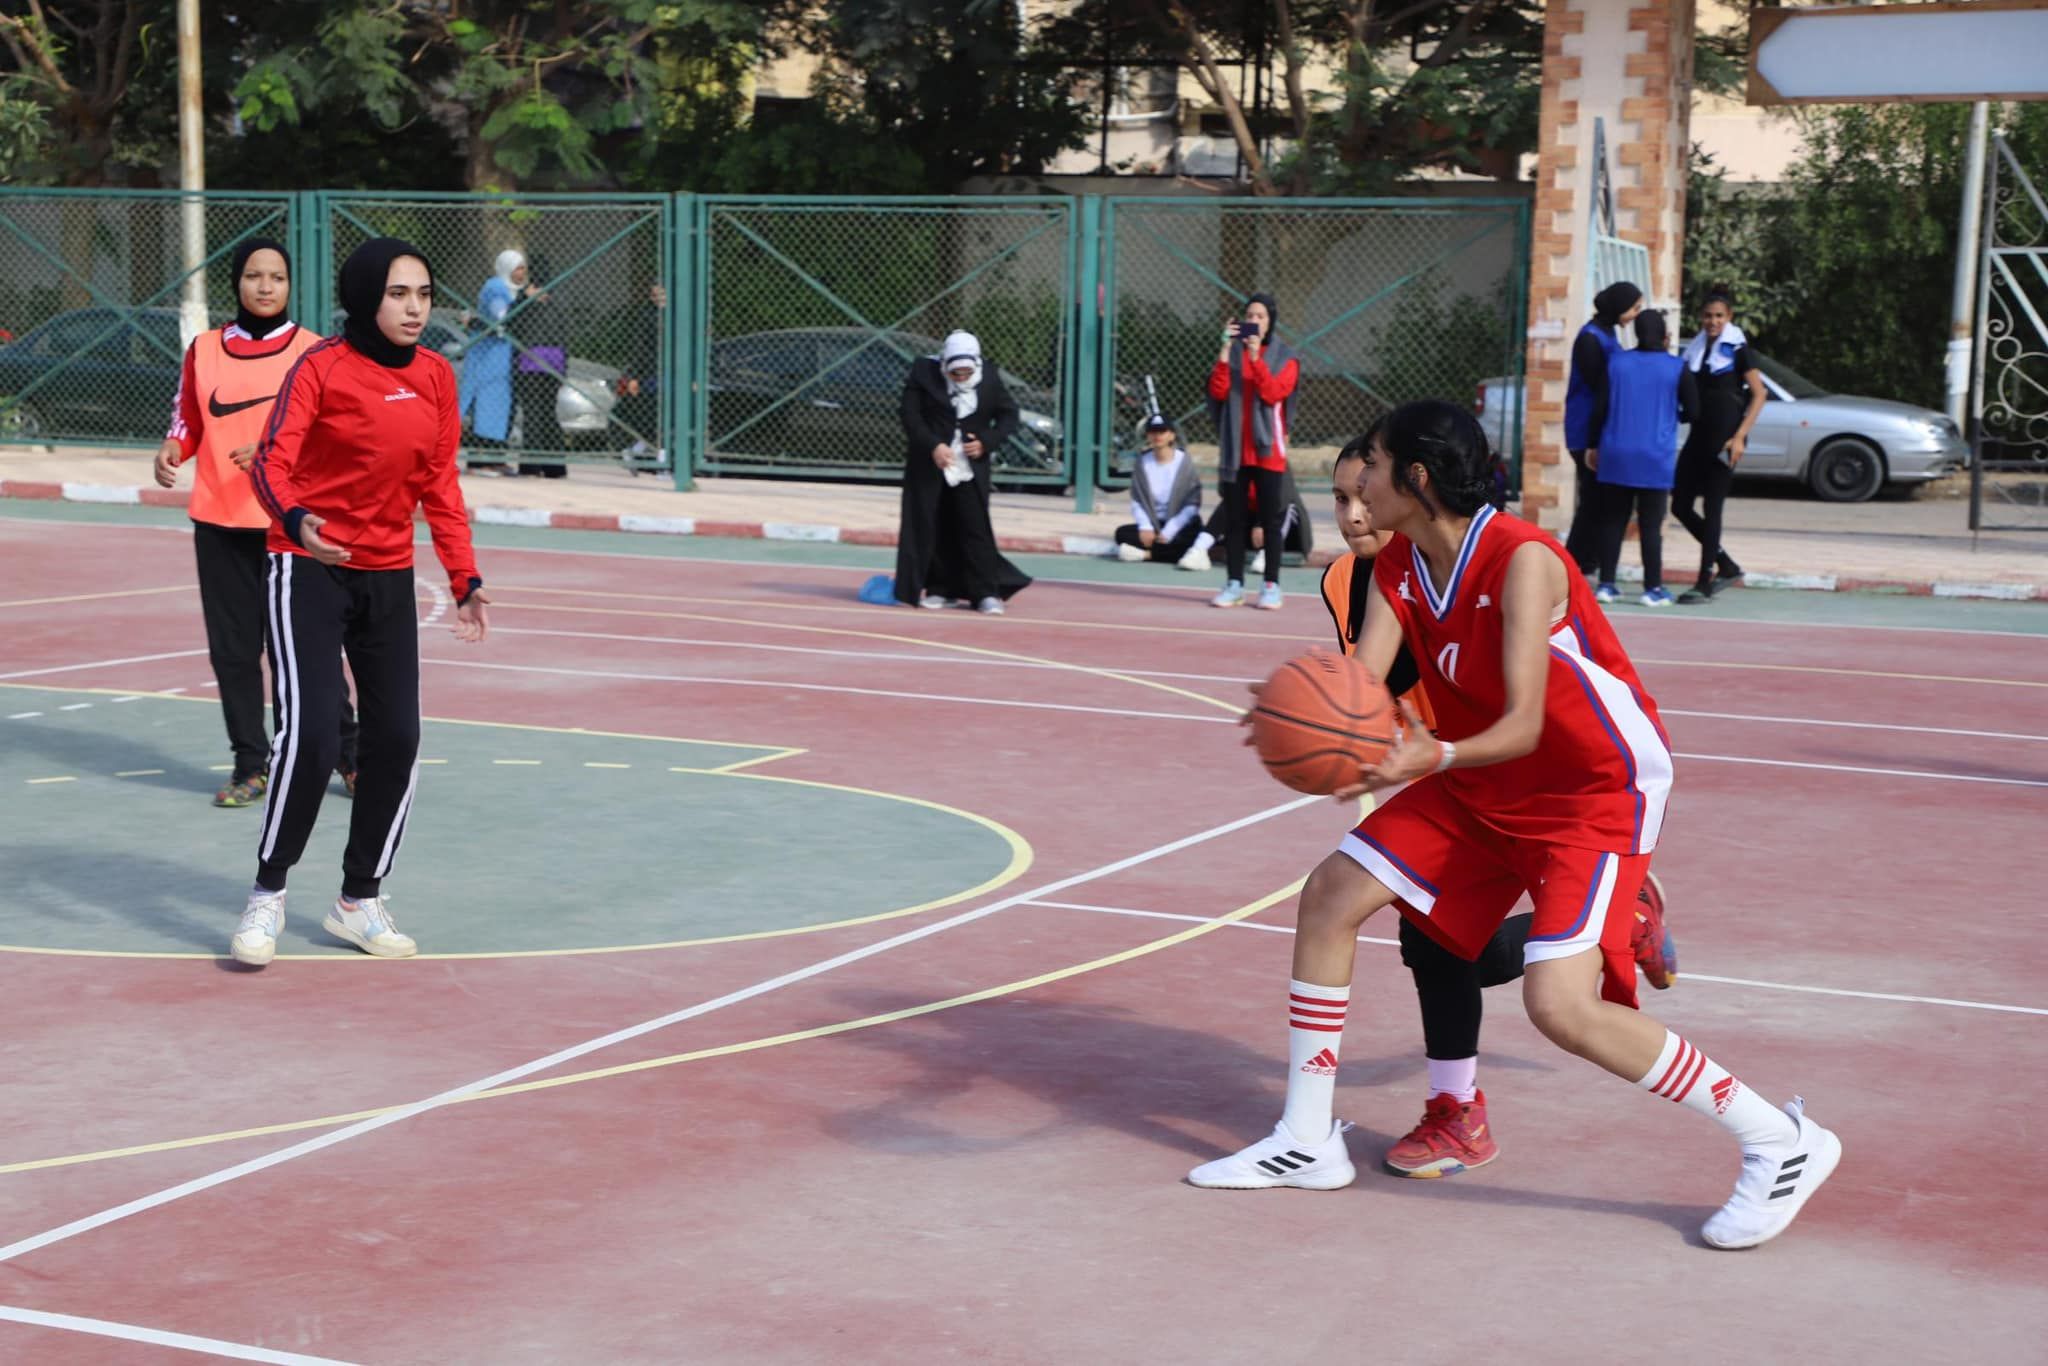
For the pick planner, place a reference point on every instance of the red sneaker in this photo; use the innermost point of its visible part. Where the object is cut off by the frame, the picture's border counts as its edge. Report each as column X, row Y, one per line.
column 1656, row 954
column 1452, row 1137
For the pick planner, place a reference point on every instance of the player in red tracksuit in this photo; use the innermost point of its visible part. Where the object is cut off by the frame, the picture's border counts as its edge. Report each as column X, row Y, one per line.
column 364, row 432
column 1547, row 775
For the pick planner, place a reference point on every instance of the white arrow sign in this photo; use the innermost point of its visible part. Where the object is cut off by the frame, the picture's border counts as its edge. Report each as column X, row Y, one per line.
column 1985, row 50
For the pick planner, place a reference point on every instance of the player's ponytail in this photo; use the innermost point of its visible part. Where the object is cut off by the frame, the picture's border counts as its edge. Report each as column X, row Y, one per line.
column 1450, row 446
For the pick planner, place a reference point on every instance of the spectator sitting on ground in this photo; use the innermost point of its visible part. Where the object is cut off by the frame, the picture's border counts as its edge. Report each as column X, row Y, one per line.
column 1166, row 500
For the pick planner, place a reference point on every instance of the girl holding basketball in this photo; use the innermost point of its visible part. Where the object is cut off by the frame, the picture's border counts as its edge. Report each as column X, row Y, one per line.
column 1548, row 777
column 1453, row 1134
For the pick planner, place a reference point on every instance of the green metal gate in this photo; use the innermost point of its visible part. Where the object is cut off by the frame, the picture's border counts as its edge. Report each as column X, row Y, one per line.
column 811, row 310
column 588, row 354
column 91, row 284
column 1383, row 301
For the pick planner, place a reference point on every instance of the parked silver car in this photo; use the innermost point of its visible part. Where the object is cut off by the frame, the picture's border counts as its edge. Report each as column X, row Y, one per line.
column 1844, row 447
column 584, row 403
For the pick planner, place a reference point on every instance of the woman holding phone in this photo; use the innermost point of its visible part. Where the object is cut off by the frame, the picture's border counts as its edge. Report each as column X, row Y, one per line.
column 1251, row 401
column 1731, row 396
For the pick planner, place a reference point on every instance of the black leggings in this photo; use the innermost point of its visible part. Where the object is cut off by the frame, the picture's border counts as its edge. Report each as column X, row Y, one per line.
column 232, row 564
column 1162, row 551
column 1272, row 516
column 1448, row 987
column 1702, row 475
column 1617, row 504
column 316, row 612
column 1582, row 541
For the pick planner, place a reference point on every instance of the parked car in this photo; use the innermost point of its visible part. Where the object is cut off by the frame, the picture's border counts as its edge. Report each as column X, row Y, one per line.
column 86, row 373
column 853, row 408
column 1844, row 447
column 584, row 403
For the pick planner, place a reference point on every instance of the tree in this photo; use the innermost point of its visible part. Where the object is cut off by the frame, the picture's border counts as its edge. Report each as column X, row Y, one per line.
column 1844, row 271
column 1429, row 83
column 529, row 88
column 65, row 110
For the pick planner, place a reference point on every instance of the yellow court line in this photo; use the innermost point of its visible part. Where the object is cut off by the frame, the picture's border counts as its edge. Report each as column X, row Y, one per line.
column 1061, row 665
column 747, row 763
column 697, row 1055
column 32, row 782
column 96, row 597
column 780, row 606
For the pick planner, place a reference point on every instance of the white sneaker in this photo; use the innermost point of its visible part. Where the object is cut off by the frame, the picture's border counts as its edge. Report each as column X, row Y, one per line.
column 932, row 602
column 367, row 925
column 1131, row 554
column 255, row 940
column 1281, row 1159
column 1775, row 1182
column 1257, row 563
column 1195, row 562
column 990, row 607
column 1231, row 596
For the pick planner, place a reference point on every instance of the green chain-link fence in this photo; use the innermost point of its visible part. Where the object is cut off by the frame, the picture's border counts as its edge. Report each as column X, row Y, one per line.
column 565, row 366
column 814, row 309
column 91, row 286
column 1382, row 300
column 730, row 335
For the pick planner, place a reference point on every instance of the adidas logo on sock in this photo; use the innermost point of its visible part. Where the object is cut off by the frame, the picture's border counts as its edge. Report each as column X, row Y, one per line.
column 1725, row 1091
column 1323, row 1064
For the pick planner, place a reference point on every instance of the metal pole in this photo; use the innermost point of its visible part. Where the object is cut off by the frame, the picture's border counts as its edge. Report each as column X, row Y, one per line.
column 1961, row 313
column 191, row 173
column 1976, row 395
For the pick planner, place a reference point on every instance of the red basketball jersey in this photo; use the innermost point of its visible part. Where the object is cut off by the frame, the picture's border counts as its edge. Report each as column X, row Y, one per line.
column 1599, row 777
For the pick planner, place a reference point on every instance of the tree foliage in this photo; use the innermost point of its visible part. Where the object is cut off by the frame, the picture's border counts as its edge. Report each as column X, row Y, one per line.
column 1844, row 271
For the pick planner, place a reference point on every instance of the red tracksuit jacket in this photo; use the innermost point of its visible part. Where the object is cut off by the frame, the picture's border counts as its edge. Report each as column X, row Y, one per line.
column 362, row 445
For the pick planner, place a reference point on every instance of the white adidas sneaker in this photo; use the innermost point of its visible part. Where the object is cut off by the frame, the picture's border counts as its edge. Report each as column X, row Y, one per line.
column 255, row 938
column 1195, row 562
column 367, row 925
column 1775, row 1182
column 1281, row 1159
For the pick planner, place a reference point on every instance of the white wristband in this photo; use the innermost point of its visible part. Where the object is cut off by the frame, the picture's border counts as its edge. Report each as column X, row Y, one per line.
column 1446, row 756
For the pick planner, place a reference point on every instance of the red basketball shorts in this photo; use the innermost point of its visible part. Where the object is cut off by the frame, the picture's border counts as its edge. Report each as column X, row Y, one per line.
column 1457, row 878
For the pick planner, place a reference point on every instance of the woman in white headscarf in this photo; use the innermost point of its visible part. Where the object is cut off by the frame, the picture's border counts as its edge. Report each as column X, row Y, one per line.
column 956, row 416
column 487, row 364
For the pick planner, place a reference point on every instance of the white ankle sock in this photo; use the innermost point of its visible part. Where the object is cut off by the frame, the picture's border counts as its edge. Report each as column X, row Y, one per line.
column 1684, row 1074
column 1203, row 542
column 1315, row 1031
column 1457, row 1078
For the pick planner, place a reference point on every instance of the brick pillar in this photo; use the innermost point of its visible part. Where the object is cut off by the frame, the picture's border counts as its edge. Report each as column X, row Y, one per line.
column 1628, row 63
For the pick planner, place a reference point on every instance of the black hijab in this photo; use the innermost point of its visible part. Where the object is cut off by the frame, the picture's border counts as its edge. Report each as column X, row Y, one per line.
column 363, row 277
column 244, row 319
column 1610, row 303
column 1651, row 333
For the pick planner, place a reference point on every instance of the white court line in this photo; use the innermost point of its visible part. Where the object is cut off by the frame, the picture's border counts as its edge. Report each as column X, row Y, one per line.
column 885, row 656
column 1192, row 588
column 441, row 602
column 157, row 1337
column 1878, row 772
column 1683, row 975
column 832, row 687
column 971, row 661
column 101, row 664
column 76, row 706
column 24, row 715
column 1850, row 725
column 556, row 1059
column 1155, row 715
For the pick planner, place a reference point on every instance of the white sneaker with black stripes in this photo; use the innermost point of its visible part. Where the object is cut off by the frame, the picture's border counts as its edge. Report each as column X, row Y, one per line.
column 1775, row 1182
column 1281, row 1159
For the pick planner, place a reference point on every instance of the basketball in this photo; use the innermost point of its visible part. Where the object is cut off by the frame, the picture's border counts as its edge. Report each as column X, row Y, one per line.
column 1319, row 719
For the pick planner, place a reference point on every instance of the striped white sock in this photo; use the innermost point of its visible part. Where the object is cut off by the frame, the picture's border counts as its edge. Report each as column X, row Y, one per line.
column 1684, row 1074
column 1315, row 1032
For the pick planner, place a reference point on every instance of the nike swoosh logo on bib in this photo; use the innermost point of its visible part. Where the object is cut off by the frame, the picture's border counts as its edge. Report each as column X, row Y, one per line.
column 219, row 409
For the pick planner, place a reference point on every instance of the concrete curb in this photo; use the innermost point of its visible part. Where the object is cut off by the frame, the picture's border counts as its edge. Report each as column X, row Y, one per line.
column 641, row 524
